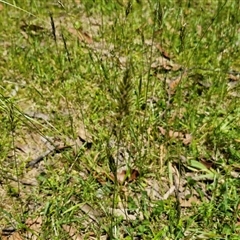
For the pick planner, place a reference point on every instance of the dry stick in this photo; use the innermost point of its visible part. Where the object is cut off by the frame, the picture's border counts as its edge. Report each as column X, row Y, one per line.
column 178, row 204
column 40, row 158
column 20, row 181
column 7, row 231
column 46, row 154
column 53, row 28
column 65, row 46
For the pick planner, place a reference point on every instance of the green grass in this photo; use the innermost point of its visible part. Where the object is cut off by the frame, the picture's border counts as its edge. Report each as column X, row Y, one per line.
column 94, row 70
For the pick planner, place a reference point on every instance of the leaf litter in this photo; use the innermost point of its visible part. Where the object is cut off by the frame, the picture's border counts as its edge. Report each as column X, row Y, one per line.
column 125, row 174
column 39, row 148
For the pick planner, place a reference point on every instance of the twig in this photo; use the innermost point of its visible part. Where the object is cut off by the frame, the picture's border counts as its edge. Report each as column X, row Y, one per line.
column 178, row 204
column 46, row 154
column 20, row 181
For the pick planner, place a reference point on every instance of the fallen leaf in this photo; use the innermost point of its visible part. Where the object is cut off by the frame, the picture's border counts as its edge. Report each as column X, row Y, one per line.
column 34, row 228
column 162, row 130
column 84, row 135
column 170, row 192
column 233, row 77
column 161, row 63
column 82, row 36
column 72, row 231
column 14, row 236
column 173, row 134
column 207, row 164
column 199, row 30
column 189, row 202
column 235, row 174
column 185, row 138
column 37, row 115
column 134, row 175
column 30, row 177
column 163, row 52
column 31, row 27
column 31, row 30
column 10, row 233
column 173, row 83
column 92, row 213
column 234, row 94
column 123, row 177
column 153, row 189
column 122, row 213
column 104, row 237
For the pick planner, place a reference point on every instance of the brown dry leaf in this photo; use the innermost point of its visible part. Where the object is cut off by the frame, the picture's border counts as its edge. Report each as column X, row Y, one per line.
column 103, row 237
column 76, row 144
column 134, row 175
column 72, row 231
column 30, row 177
column 31, row 27
column 207, row 164
column 173, row 134
column 31, row 30
column 185, row 138
column 92, row 213
column 162, row 130
column 34, row 229
column 170, row 192
column 161, row 63
column 93, row 237
column 153, row 189
column 189, row 202
column 173, row 83
column 122, row 176
column 102, row 177
column 13, row 236
column 83, row 134
column 1, row 6
column 82, row 36
column 232, row 77
column 34, row 226
column 235, row 174
column 199, row 30
column 234, row 94
column 163, row 52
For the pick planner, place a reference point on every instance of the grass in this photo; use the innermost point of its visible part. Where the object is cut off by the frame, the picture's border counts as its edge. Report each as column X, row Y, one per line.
column 145, row 148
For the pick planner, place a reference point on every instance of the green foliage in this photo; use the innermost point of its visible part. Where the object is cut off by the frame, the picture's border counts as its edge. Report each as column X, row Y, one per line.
column 101, row 64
